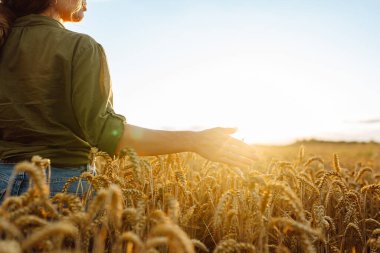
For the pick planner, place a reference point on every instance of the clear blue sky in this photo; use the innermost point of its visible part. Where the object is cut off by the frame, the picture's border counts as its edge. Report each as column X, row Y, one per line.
column 277, row 70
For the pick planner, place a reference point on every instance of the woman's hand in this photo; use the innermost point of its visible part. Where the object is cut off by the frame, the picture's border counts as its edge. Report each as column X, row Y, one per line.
column 217, row 145
column 214, row 144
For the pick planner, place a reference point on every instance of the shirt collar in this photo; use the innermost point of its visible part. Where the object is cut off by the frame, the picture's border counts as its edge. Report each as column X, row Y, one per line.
column 35, row 20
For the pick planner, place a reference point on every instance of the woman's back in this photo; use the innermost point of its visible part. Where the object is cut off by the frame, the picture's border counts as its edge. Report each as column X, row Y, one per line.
column 54, row 84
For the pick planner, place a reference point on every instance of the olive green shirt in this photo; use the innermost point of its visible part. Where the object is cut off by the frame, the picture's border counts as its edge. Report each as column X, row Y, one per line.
column 55, row 94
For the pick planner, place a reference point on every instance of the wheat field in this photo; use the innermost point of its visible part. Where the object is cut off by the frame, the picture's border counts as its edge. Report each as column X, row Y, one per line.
column 311, row 197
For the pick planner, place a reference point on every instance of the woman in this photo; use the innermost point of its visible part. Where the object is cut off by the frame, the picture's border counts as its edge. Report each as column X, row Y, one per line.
column 56, row 99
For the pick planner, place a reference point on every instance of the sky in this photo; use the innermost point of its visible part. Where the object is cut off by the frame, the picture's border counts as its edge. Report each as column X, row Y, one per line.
column 277, row 70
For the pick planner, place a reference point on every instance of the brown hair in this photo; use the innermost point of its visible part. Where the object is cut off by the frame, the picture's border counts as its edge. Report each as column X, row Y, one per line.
column 11, row 9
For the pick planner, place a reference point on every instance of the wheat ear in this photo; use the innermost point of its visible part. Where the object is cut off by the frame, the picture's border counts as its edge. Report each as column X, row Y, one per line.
column 178, row 239
column 59, row 228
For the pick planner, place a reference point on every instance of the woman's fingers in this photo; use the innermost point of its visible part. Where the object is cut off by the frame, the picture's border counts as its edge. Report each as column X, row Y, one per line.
column 217, row 145
column 236, row 161
column 247, row 154
column 239, row 147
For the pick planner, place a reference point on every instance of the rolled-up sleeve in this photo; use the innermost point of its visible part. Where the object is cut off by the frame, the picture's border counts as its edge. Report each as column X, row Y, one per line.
column 92, row 97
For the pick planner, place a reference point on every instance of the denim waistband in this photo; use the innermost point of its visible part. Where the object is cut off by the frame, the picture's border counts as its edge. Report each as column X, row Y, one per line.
column 15, row 161
column 4, row 166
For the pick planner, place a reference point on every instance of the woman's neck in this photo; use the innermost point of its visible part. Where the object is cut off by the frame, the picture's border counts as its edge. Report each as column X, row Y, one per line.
column 52, row 13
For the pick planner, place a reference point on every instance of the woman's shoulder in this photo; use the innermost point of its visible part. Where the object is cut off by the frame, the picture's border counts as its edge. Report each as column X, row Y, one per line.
column 83, row 44
column 81, row 40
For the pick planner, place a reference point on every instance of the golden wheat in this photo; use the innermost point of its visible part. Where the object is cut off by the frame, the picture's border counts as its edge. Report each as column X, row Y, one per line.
column 182, row 203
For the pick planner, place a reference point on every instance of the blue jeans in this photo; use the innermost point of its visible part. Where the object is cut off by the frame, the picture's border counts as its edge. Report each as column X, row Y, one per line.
column 58, row 178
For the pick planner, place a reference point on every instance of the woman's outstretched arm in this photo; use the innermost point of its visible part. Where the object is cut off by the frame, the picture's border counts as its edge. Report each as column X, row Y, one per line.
column 214, row 144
